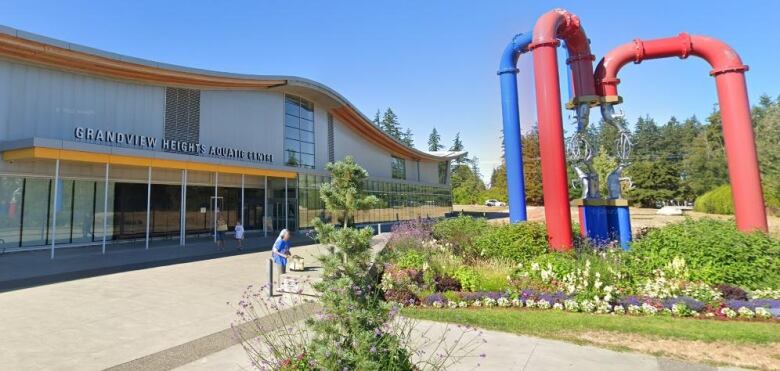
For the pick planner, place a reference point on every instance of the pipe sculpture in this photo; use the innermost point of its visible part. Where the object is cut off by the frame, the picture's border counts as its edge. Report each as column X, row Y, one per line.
column 728, row 70
column 513, row 147
column 552, row 26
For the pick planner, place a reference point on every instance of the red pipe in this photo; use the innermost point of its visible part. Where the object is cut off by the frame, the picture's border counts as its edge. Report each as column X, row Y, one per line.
column 729, row 73
column 554, row 25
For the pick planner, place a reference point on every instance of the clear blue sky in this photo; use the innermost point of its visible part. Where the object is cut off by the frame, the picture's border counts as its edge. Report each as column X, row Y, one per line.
column 433, row 62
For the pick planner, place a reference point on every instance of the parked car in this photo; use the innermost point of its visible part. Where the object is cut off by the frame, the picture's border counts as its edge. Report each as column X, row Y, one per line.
column 493, row 202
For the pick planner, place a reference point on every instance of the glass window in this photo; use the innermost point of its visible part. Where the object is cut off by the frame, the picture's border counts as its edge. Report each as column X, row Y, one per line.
column 398, row 168
column 291, row 121
column 443, row 172
column 11, row 191
column 299, row 132
column 307, row 148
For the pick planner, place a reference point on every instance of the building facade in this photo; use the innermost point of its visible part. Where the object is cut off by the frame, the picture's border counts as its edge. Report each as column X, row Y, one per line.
column 98, row 148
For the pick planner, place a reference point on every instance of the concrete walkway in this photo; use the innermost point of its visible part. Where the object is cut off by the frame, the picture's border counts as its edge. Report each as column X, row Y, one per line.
column 177, row 316
column 502, row 351
column 99, row 322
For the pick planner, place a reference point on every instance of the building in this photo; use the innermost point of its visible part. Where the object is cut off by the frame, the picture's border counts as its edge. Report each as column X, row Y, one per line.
column 99, row 147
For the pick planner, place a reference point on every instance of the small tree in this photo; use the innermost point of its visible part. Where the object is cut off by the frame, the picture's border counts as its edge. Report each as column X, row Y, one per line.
column 352, row 332
column 434, row 141
column 344, row 194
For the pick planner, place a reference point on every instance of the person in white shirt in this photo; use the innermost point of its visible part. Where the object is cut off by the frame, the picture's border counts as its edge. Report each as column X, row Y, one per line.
column 239, row 235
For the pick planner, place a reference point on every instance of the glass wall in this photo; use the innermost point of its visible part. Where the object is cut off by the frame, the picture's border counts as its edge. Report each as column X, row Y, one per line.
column 398, row 201
column 298, row 132
column 398, row 168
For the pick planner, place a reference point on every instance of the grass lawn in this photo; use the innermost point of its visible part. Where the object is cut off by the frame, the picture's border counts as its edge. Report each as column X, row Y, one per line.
column 566, row 325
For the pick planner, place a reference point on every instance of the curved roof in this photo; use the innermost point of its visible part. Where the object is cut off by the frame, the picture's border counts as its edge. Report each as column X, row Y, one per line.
column 40, row 50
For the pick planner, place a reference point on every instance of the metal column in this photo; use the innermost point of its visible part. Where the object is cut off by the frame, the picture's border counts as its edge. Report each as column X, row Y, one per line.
column 242, row 199
column 148, row 204
column 105, row 208
column 183, row 209
column 215, row 213
column 54, row 212
column 286, row 206
column 265, row 206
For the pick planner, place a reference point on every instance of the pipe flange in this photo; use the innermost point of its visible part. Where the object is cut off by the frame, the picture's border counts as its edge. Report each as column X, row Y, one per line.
column 720, row 71
column 612, row 99
column 639, row 51
column 687, row 45
column 554, row 43
column 507, row 70
column 590, row 100
column 576, row 58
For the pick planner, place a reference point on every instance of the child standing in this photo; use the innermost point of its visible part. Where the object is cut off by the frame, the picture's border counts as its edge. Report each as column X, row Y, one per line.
column 239, row 235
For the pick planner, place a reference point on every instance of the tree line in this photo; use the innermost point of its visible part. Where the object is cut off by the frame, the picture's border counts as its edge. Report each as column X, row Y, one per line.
column 671, row 163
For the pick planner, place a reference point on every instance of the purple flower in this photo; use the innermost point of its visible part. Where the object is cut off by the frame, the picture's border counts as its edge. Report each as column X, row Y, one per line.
column 373, row 349
column 435, row 297
column 753, row 304
column 691, row 303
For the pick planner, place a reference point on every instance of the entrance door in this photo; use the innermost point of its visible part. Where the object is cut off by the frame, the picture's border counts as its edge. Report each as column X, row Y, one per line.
column 216, row 206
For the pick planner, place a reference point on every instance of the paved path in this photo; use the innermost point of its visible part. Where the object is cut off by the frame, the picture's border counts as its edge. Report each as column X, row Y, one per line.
column 502, row 351
column 99, row 322
column 176, row 316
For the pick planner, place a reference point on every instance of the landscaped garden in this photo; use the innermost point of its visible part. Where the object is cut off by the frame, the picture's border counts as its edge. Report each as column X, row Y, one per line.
column 695, row 281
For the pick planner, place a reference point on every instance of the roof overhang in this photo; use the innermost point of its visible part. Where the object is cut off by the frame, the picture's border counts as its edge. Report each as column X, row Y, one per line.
column 43, row 51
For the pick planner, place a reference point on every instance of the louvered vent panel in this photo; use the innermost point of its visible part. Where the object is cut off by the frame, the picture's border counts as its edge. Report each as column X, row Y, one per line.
column 182, row 115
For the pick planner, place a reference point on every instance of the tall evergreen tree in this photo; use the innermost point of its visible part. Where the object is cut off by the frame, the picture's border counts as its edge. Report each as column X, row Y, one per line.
column 408, row 138
column 390, row 124
column 532, row 168
column 377, row 121
column 434, row 141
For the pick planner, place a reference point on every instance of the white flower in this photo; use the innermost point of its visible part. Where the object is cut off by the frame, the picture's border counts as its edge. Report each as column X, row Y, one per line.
column 571, row 305
column 587, row 306
column 488, row 302
column 438, row 304
column 476, row 303
column 543, row 304
column 452, row 304
column 745, row 312
column 603, row 307
column 767, row 293
column 762, row 312
column 618, row 309
column 503, row 302
column 649, row 309
column 462, row 304
column 530, row 303
column 680, row 309
column 728, row 312
column 516, row 302
column 634, row 309
column 558, row 306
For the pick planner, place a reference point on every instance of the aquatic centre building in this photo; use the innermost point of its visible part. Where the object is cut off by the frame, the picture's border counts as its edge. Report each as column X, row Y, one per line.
column 99, row 147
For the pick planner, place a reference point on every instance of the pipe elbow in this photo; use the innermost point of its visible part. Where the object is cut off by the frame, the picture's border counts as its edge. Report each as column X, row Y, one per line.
column 721, row 56
column 606, row 74
column 512, row 53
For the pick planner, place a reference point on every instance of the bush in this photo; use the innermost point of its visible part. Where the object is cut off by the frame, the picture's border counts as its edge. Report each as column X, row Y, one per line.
column 446, row 283
column 731, row 292
column 411, row 259
column 517, row 242
column 719, row 201
column 716, row 201
column 468, row 278
column 714, row 252
column 460, row 233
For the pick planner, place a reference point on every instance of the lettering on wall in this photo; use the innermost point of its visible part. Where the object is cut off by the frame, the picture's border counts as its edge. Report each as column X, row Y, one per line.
column 110, row 137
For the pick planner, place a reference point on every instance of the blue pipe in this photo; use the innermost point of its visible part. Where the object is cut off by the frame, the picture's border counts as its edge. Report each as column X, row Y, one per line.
column 513, row 147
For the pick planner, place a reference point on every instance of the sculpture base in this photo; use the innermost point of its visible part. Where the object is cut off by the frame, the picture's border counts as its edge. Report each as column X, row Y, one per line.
column 604, row 221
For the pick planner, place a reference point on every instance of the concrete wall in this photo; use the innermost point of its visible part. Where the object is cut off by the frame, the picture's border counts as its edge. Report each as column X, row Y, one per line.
column 48, row 103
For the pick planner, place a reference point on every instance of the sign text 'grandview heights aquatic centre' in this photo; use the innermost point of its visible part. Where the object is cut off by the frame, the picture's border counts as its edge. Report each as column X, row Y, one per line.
column 168, row 145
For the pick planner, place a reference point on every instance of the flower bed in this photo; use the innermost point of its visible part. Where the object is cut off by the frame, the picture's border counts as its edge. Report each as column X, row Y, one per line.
column 632, row 305
column 420, row 270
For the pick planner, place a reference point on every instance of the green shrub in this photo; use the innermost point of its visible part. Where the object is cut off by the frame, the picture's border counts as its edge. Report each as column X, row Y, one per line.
column 716, row 201
column 719, row 201
column 517, row 242
column 562, row 263
column 468, row 277
column 411, row 259
column 460, row 233
column 714, row 251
